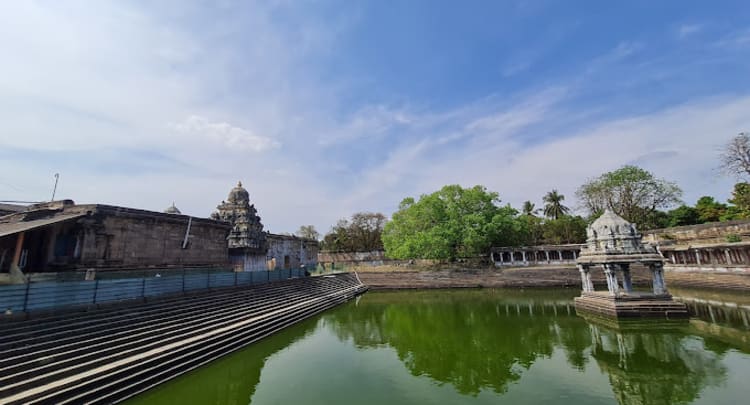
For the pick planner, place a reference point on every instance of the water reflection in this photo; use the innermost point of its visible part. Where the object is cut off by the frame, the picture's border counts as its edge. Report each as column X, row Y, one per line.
column 230, row 380
column 488, row 341
column 652, row 365
column 472, row 341
column 482, row 346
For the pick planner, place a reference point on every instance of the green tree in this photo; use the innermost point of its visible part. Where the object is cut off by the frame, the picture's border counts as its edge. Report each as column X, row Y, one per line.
column 337, row 239
column 631, row 192
column 308, row 231
column 529, row 208
column 709, row 210
column 684, row 215
column 653, row 219
column 741, row 201
column 553, row 207
column 566, row 229
column 533, row 230
column 449, row 223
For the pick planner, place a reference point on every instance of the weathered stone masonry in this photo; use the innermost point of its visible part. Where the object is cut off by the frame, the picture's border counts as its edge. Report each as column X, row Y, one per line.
column 61, row 236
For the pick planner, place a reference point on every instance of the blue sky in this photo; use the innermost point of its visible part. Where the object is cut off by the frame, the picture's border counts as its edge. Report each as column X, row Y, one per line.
column 326, row 108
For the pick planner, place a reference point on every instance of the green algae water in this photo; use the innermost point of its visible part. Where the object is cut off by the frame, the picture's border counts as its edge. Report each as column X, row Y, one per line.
column 483, row 347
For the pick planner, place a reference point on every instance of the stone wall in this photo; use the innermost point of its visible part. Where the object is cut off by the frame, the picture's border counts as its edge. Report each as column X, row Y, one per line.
column 512, row 278
column 62, row 236
column 714, row 232
column 373, row 258
column 124, row 237
column 286, row 252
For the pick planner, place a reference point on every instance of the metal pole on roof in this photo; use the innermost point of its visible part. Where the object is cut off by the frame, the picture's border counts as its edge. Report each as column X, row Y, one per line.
column 54, row 190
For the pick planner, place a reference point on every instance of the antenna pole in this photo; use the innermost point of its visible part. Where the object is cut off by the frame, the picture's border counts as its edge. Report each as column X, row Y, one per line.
column 54, row 190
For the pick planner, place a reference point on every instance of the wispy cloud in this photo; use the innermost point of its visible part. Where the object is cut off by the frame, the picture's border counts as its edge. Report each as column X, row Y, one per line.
column 735, row 39
column 143, row 104
column 225, row 133
column 686, row 30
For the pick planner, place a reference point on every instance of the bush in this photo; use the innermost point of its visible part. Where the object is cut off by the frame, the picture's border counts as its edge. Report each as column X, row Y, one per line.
column 734, row 238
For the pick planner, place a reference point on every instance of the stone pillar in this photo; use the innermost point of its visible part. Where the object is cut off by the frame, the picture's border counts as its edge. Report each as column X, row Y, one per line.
column 627, row 281
column 672, row 257
column 546, row 252
column 523, row 256
column 559, row 255
column 728, row 256
column 586, row 284
column 657, row 276
column 575, row 255
column 697, row 257
column 609, row 273
column 512, row 259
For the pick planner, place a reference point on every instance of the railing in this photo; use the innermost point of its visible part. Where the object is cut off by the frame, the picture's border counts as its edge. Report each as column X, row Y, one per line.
column 35, row 296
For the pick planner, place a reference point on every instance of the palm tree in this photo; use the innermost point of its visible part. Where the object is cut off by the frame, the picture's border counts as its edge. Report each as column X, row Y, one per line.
column 529, row 208
column 553, row 207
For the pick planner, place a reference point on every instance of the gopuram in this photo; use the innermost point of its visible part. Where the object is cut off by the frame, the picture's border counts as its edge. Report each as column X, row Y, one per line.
column 615, row 245
column 246, row 241
column 251, row 248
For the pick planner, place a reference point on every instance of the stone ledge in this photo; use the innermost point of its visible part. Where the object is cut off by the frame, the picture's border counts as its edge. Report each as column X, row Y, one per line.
column 658, row 306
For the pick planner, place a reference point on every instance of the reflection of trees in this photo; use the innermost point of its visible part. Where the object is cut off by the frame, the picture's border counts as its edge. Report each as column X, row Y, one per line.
column 471, row 342
column 485, row 340
column 477, row 340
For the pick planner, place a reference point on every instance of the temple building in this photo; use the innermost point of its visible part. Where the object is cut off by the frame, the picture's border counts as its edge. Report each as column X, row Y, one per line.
column 253, row 249
column 615, row 245
column 61, row 236
column 47, row 239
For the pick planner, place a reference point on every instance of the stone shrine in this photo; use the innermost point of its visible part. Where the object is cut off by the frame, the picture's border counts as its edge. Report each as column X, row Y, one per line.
column 247, row 230
column 251, row 248
column 615, row 245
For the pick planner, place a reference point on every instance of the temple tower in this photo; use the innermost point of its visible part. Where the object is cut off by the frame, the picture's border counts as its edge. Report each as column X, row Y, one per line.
column 247, row 230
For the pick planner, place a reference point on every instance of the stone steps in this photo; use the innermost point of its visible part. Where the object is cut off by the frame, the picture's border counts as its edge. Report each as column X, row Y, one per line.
column 107, row 356
column 631, row 307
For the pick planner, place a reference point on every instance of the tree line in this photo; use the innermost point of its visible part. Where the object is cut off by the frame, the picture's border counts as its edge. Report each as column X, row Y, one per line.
column 458, row 222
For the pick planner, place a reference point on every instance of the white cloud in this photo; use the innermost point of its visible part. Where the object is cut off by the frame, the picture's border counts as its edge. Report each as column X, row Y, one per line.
column 686, row 30
column 679, row 144
column 231, row 136
column 369, row 121
column 106, row 80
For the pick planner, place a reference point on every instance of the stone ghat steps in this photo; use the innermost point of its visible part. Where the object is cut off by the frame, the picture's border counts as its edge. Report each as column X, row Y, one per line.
column 89, row 365
column 23, row 337
column 82, row 347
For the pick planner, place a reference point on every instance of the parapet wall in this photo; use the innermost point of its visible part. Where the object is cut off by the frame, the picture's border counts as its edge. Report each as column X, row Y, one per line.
column 372, row 258
column 709, row 233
